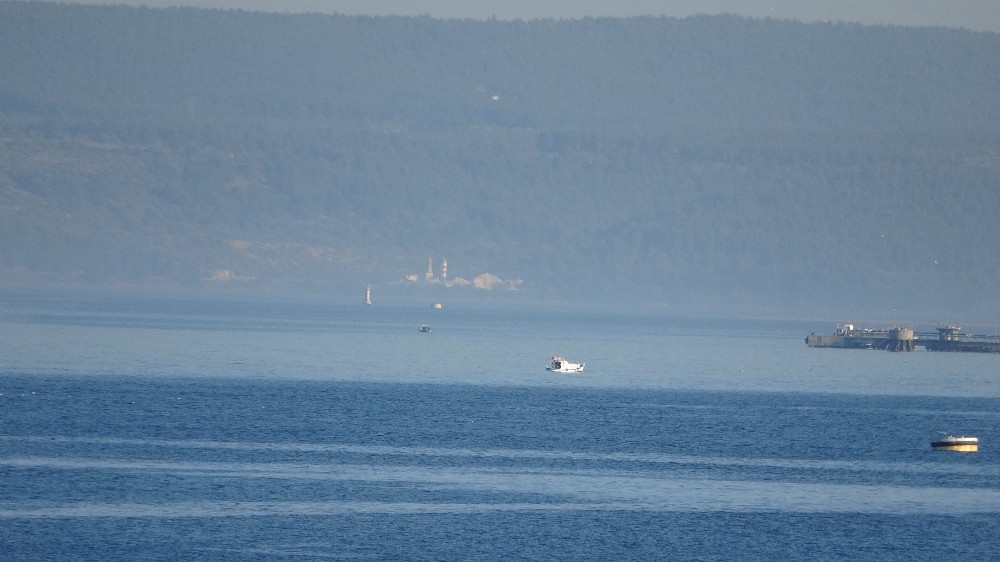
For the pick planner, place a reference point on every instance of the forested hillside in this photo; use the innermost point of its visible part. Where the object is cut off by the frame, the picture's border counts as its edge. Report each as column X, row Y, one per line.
column 710, row 165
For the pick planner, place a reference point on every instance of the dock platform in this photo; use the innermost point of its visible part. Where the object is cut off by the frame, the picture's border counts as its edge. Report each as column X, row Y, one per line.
column 948, row 338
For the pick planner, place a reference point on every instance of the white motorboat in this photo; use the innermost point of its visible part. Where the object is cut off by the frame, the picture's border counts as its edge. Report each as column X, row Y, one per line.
column 560, row 365
column 952, row 443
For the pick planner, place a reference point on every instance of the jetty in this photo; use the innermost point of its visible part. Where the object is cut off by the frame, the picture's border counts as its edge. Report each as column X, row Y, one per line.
column 948, row 338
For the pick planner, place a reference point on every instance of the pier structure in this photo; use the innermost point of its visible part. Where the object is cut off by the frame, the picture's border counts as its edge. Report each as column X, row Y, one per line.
column 900, row 339
column 948, row 338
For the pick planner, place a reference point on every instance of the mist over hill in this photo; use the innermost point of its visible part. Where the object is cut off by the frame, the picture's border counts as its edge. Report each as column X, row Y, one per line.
column 705, row 166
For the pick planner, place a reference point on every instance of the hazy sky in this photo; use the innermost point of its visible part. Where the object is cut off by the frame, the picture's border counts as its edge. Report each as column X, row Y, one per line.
column 980, row 15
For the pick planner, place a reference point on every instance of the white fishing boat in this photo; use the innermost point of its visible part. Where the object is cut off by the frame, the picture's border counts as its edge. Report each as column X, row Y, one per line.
column 962, row 443
column 425, row 328
column 560, row 365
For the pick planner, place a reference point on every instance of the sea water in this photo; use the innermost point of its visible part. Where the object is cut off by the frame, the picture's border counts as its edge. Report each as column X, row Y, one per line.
column 168, row 429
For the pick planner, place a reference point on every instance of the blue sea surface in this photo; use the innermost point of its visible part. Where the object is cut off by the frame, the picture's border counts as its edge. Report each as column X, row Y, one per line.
column 167, row 429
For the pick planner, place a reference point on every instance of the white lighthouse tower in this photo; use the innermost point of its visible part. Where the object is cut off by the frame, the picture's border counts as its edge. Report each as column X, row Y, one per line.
column 444, row 270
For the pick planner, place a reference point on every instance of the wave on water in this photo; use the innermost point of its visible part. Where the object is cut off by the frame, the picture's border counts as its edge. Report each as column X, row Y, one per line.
column 667, row 459
column 592, row 481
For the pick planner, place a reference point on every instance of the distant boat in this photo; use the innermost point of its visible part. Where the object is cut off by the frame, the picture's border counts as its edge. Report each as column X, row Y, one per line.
column 952, row 443
column 436, row 306
column 368, row 295
column 560, row 365
column 425, row 328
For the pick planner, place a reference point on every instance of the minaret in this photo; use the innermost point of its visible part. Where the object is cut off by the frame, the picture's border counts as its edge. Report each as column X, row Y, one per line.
column 430, row 270
column 444, row 270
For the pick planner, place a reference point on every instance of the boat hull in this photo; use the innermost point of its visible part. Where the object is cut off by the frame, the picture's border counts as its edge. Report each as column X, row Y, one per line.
column 959, row 444
column 577, row 369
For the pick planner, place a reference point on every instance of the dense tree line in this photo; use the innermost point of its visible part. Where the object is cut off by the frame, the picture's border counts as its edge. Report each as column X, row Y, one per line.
column 704, row 162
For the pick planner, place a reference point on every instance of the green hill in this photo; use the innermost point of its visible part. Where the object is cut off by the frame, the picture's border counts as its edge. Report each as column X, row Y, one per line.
column 710, row 165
